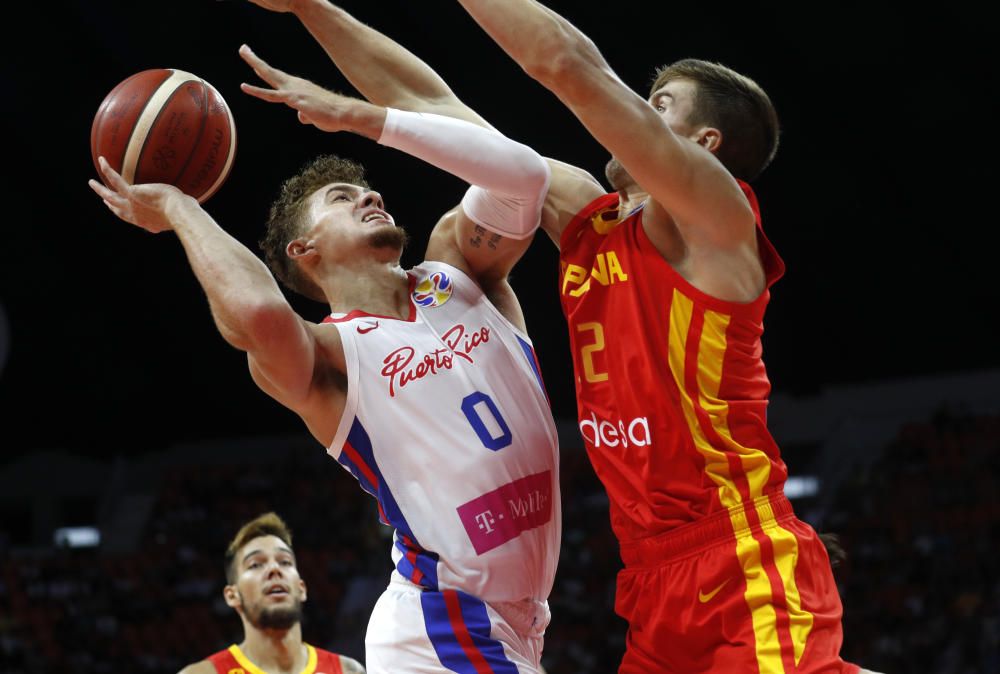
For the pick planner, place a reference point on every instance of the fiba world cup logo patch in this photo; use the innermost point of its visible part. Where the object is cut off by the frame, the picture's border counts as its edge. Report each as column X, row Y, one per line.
column 434, row 290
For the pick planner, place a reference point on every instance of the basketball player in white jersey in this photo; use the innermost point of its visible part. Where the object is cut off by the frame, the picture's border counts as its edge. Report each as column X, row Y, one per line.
column 422, row 382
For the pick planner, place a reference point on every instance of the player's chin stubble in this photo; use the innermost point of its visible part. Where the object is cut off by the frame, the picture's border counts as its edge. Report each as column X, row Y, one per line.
column 389, row 237
column 278, row 618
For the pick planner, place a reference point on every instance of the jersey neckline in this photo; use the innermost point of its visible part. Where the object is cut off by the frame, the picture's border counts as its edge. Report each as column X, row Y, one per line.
column 359, row 313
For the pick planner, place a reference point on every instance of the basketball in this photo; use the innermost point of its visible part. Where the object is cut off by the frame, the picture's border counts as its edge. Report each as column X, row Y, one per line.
column 166, row 126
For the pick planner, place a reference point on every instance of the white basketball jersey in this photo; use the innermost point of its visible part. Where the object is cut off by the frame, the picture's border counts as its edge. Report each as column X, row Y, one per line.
column 447, row 424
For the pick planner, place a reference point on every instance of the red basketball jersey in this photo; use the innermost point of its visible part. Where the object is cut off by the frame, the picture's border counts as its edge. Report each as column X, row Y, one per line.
column 671, row 388
column 233, row 661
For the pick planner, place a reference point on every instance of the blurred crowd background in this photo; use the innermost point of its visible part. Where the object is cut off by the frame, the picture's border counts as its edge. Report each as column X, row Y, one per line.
column 132, row 443
column 916, row 505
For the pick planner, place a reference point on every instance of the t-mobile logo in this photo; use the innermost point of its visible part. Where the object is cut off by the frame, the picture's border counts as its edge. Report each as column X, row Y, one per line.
column 508, row 511
column 485, row 521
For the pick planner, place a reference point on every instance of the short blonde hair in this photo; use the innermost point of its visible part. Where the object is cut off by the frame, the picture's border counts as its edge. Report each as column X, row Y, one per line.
column 268, row 524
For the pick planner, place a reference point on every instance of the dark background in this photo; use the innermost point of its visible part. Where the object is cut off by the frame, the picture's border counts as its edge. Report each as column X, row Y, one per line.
column 878, row 198
column 881, row 201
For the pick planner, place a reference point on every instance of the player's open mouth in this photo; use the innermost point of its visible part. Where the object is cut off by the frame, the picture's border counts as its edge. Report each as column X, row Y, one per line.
column 375, row 216
column 276, row 590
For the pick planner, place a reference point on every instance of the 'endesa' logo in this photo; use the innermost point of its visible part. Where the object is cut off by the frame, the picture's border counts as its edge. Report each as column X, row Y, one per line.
column 600, row 432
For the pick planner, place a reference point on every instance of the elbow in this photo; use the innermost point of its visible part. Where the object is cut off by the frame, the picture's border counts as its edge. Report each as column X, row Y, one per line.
column 263, row 325
column 535, row 173
column 527, row 177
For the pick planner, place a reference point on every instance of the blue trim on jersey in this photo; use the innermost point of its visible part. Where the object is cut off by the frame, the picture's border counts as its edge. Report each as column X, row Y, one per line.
column 345, row 461
column 477, row 622
column 426, row 561
column 532, row 361
column 427, row 564
column 362, row 444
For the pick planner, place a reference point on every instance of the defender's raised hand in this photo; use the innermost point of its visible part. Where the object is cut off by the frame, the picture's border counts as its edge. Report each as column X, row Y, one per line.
column 324, row 109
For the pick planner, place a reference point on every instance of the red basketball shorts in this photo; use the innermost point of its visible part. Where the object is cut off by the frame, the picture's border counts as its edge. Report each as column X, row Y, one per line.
column 742, row 591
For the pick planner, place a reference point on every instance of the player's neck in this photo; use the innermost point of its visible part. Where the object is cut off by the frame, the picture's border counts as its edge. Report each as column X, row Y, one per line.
column 374, row 288
column 275, row 651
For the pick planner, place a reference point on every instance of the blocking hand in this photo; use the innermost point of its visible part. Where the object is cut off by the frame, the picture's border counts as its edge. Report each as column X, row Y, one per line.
column 323, row 109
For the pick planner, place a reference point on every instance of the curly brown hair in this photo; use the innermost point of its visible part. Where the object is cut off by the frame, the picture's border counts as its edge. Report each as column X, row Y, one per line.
column 735, row 105
column 268, row 524
column 284, row 222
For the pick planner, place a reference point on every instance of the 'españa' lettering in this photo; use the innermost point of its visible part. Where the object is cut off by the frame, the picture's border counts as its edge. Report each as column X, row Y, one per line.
column 607, row 270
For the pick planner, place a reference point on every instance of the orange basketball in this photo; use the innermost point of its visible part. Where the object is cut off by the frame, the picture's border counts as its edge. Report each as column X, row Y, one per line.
column 166, row 126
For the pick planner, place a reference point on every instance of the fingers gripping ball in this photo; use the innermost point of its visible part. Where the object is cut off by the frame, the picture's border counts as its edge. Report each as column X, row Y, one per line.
column 166, row 126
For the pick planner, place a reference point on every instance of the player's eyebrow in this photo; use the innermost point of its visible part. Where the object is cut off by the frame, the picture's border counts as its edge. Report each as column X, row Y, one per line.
column 251, row 554
column 340, row 187
column 281, row 550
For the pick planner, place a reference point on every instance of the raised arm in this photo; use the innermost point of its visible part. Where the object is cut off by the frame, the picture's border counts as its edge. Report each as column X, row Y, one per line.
column 389, row 75
column 249, row 309
column 508, row 180
column 382, row 70
column 679, row 174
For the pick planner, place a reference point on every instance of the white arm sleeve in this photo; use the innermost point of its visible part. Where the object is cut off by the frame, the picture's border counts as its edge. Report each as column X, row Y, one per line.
column 509, row 180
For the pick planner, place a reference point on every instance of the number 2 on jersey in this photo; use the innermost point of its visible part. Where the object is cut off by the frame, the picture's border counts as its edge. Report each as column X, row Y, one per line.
column 495, row 436
column 587, row 352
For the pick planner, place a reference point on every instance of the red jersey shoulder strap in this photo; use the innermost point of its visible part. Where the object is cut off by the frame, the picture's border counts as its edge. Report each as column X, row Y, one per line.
column 604, row 204
column 774, row 266
column 605, row 207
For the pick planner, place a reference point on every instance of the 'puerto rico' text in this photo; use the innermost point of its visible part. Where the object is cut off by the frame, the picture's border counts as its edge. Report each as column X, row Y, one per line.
column 402, row 366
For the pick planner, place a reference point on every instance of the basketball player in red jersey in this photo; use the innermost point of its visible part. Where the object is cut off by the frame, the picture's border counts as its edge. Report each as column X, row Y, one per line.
column 664, row 283
column 264, row 588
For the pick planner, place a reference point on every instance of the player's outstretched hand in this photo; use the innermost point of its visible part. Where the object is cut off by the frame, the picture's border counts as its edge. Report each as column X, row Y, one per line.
column 143, row 205
column 323, row 109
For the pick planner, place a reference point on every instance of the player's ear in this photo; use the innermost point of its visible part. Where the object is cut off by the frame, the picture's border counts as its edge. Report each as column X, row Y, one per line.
column 302, row 588
column 709, row 138
column 231, row 596
column 297, row 248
